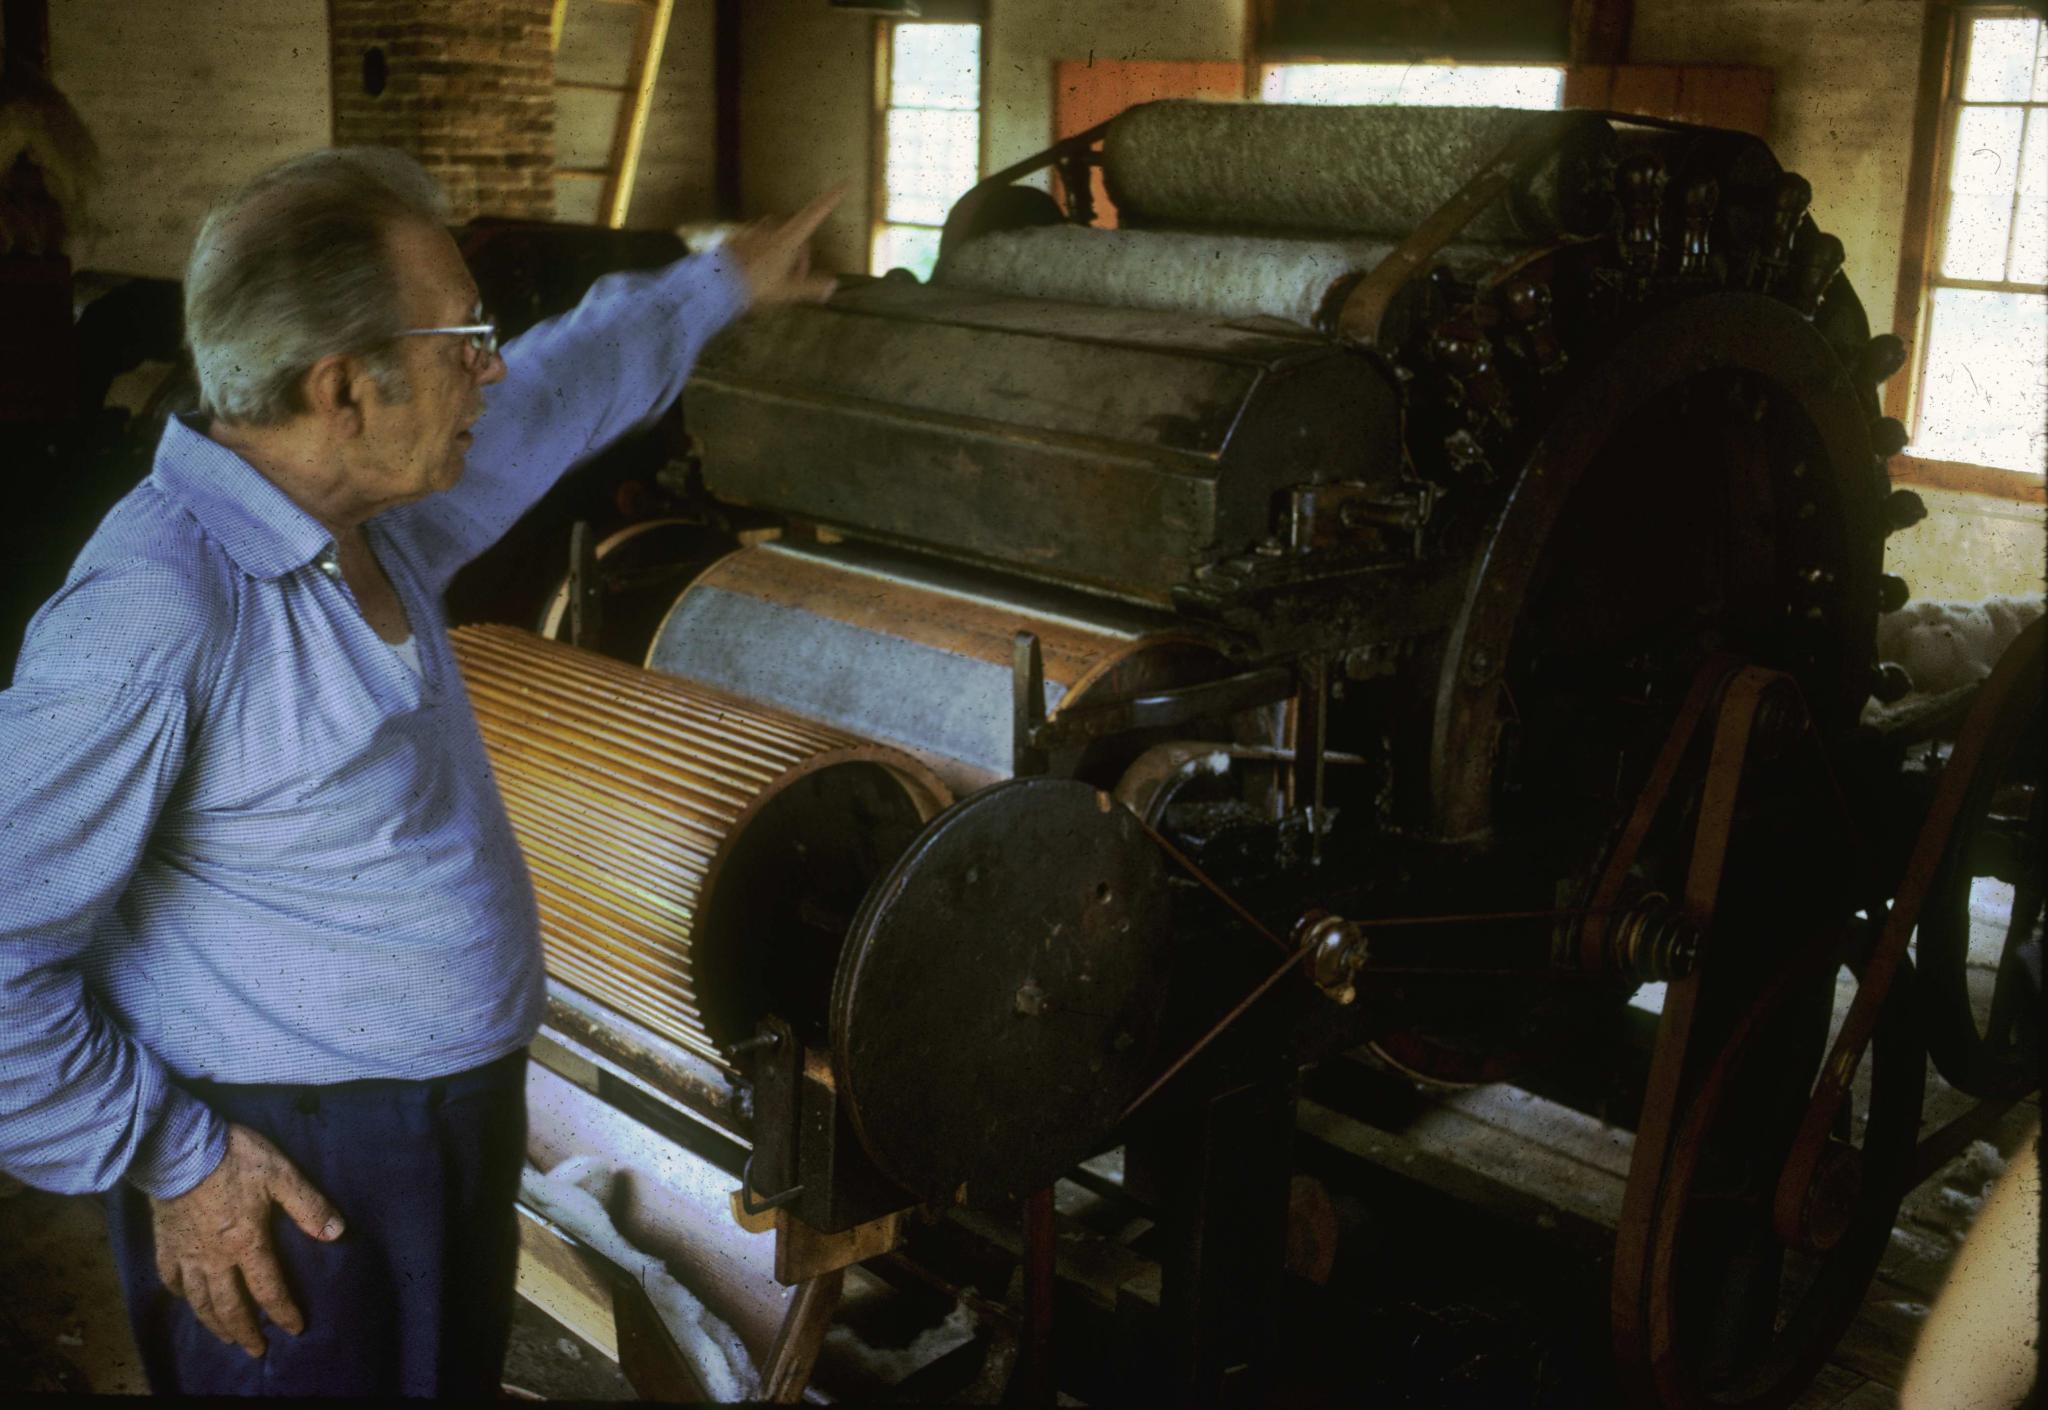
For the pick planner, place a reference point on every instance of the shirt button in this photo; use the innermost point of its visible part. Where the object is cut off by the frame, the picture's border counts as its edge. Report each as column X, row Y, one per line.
column 329, row 563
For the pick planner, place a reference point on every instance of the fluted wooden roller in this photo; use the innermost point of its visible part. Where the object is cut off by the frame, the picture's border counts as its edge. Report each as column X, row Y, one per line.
column 696, row 859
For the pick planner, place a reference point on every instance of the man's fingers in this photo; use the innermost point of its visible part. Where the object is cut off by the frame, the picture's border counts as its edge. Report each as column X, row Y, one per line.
column 232, row 1311
column 265, row 1281
column 801, row 226
column 169, row 1275
column 198, row 1292
column 304, row 1205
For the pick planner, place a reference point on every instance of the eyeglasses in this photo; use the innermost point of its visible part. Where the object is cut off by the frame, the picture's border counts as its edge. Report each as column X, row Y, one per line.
column 482, row 337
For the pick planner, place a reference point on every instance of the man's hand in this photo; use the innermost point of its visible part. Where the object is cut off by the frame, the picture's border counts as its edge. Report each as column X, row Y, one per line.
column 774, row 256
column 213, row 1245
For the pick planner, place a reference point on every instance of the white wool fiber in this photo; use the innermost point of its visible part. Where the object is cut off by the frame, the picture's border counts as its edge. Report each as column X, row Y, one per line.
column 1944, row 645
column 890, row 1365
column 1370, row 171
column 1220, row 276
column 576, row 1195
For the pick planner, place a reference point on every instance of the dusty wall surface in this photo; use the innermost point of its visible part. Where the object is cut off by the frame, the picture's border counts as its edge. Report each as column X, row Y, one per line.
column 1025, row 37
column 808, row 75
column 185, row 101
column 806, row 112
column 1843, row 112
column 1971, row 546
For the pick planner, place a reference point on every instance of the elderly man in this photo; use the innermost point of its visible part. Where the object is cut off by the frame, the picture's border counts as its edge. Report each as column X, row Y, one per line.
column 269, row 959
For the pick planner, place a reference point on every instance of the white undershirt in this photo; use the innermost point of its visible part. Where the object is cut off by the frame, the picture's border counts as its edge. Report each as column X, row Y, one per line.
column 409, row 652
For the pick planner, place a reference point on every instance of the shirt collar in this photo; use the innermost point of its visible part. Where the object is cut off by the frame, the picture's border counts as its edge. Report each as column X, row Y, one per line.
column 256, row 522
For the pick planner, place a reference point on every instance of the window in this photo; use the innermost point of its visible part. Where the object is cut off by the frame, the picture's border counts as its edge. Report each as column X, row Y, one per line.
column 1416, row 85
column 930, row 138
column 1980, row 397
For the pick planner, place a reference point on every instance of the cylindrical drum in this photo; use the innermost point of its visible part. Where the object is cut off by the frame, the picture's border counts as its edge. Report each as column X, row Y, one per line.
column 1369, row 171
column 910, row 653
column 1209, row 274
column 697, row 860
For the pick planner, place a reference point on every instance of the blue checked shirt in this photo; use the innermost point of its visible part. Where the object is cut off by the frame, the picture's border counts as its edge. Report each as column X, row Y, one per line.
column 239, row 838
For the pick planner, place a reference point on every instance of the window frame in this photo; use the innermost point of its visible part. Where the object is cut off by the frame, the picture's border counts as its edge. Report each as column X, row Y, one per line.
column 878, row 144
column 1938, row 109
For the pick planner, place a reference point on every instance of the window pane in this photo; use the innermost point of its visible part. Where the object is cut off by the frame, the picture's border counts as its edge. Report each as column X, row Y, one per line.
column 1985, row 397
column 935, row 66
column 2001, row 60
column 1418, row 85
column 1981, row 182
column 2030, row 240
column 931, row 159
column 911, row 247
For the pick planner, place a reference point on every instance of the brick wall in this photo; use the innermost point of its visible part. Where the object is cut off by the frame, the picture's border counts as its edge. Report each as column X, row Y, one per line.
column 467, row 86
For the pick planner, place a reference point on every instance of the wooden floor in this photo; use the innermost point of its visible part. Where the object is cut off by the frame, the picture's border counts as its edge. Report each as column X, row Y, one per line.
column 1533, row 1161
column 1554, row 1169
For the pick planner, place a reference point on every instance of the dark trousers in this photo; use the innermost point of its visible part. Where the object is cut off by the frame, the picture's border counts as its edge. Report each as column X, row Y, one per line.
column 416, row 1297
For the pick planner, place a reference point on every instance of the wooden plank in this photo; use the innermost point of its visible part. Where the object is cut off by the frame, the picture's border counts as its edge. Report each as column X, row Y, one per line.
column 633, row 130
column 1091, row 91
column 1871, row 1395
column 1734, row 96
column 1831, row 1386
column 566, row 1281
column 1923, row 174
column 1649, row 89
column 1954, row 475
column 1880, row 1341
column 1550, row 1125
column 1589, row 86
column 1483, row 1166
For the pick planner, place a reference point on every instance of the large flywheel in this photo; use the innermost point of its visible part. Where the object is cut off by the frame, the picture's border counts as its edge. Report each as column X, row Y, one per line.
column 1991, row 875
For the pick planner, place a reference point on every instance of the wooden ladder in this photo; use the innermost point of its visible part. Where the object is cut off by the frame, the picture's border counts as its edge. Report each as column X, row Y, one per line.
column 635, row 97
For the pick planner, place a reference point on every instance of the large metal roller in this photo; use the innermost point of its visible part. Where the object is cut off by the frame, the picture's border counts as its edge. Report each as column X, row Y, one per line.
column 1214, row 274
column 1367, row 171
column 696, row 859
column 910, row 655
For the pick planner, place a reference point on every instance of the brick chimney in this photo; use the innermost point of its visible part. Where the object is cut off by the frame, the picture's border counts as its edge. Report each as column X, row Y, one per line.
column 467, row 86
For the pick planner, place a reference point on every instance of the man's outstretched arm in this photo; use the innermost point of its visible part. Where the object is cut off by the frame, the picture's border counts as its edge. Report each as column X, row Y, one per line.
column 576, row 383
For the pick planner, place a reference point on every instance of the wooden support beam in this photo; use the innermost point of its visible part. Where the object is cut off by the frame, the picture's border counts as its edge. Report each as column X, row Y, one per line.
column 632, row 131
column 1924, row 173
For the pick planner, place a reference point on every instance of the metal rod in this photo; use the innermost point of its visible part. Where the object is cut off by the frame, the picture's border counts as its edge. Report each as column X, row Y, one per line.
column 1199, row 875
column 1938, row 1148
column 1372, row 923
column 1035, row 1381
column 1214, row 1033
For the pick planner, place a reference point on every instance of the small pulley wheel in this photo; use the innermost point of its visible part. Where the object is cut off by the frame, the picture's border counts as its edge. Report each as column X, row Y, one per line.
column 997, row 1003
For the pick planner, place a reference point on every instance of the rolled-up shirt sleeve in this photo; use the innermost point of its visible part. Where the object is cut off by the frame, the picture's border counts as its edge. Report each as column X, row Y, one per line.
column 94, row 734
column 573, row 385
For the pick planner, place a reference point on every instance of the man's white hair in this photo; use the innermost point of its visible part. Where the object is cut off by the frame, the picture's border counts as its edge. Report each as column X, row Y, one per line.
column 295, row 266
